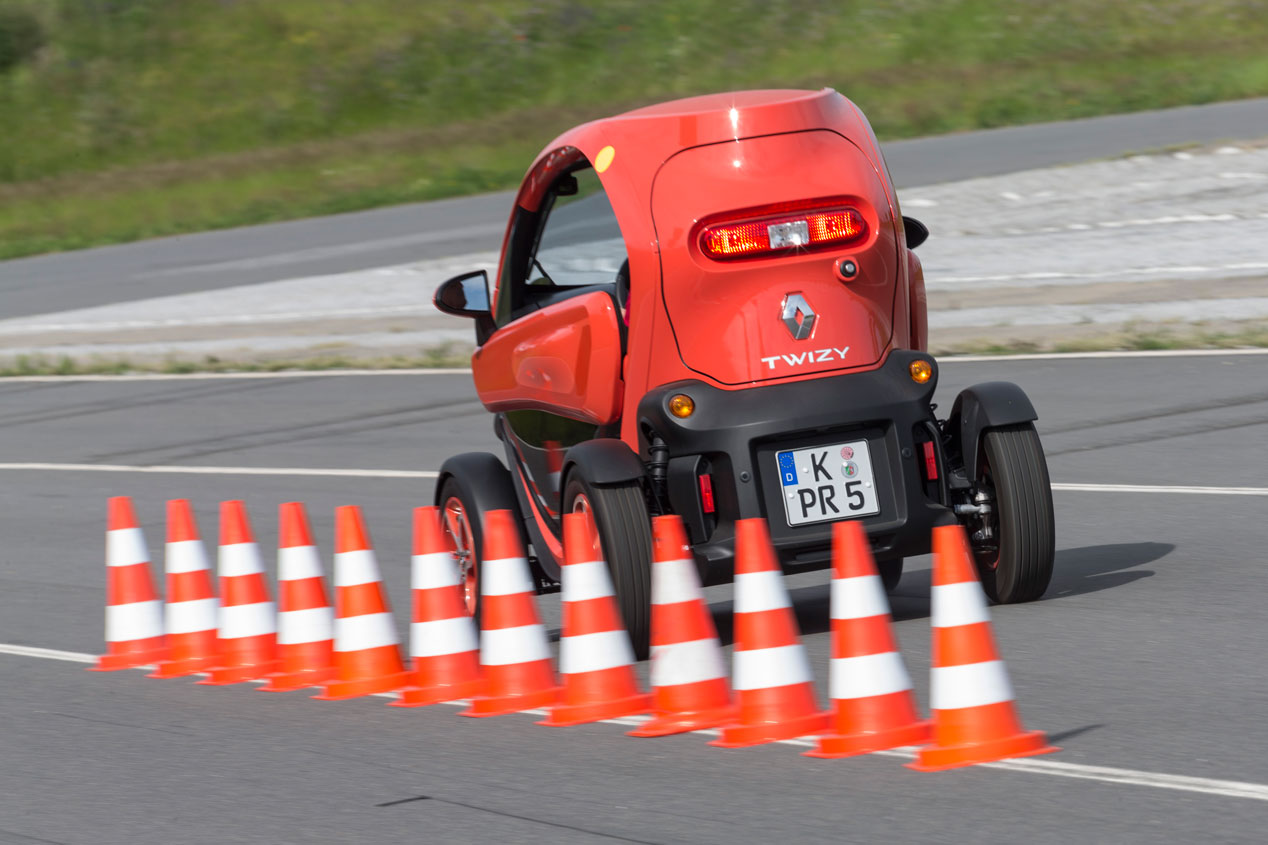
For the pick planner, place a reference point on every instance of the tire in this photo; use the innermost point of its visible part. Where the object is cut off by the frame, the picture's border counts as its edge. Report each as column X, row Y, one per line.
column 1019, row 568
column 462, row 521
column 891, row 571
column 625, row 534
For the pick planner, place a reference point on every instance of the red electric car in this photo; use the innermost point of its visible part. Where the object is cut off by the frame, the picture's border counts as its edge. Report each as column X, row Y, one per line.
column 710, row 307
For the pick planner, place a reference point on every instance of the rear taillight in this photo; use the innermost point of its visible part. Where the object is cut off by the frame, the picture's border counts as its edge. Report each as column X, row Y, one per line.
column 776, row 229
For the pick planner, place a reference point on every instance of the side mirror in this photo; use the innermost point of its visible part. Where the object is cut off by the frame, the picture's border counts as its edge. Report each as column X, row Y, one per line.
column 464, row 296
column 917, row 232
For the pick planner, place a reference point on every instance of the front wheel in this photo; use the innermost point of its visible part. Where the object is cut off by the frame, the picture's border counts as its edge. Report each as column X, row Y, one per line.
column 461, row 520
column 1014, row 543
column 620, row 514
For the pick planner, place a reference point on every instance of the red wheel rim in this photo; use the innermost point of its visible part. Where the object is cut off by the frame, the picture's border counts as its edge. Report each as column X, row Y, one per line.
column 582, row 505
column 458, row 528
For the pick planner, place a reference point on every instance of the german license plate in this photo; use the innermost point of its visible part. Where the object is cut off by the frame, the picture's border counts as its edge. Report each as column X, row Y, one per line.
column 827, row 482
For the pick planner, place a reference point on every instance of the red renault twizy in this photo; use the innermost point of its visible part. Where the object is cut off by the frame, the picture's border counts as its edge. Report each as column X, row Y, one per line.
column 710, row 307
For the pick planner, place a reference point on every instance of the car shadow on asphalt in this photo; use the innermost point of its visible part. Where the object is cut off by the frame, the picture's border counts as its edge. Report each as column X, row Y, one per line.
column 1087, row 569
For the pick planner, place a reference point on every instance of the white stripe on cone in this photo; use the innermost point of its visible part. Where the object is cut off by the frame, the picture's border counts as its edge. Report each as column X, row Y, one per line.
column 246, row 620
column 190, row 617
column 762, row 668
column 504, row 646
column 141, row 620
column 969, row 685
column 585, row 581
column 186, row 556
column 297, row 563
column 958, row 604
column 858, row 598
column 686, row 663
column 594, row 652
column 674, row 581
column 356, row 567
column 126, row 547
column 369, row 630
column 238, row 559
column 759, row 591
column 433, row 570
column 442, row 636
column 310, row 625
column 867, row 675
column 505, row 577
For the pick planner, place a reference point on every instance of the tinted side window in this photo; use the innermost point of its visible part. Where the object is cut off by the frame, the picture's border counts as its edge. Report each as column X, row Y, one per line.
column 580, row 243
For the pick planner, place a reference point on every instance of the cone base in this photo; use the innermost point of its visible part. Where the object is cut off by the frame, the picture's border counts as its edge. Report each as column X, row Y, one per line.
column 562, row 715
column 184, row 667
column 291, row 681
column 225, row 675
column 148, row 654
column 852, row 745
column 340, row 690
column 499, row 705
column 941, row 758
column 436, row 693
column 665, row 724
column 741, row 736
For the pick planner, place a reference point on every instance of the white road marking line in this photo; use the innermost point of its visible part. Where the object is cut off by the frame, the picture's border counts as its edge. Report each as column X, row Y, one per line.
column 1048, row 276
column 1154, row 488
column 419, row 371
column 199, row 470
column 1036, row 766
column 427, row 473
column 1075, row 356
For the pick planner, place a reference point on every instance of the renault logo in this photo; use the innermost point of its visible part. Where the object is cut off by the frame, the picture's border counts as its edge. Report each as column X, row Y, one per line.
column 797, row 315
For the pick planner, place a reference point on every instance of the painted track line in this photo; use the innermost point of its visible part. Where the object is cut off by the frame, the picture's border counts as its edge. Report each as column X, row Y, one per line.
column 1146, row 488
column 276, row 374
column 1052, row 768
column 213, row 470
column 443, row 371
column 426, row 473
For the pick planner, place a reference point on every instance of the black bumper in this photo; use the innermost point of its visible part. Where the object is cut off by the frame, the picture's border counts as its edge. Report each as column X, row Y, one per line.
column 733, row 436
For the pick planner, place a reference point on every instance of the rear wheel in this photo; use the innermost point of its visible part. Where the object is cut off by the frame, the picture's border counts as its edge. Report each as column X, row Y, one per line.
column 1014, row 543
column 619, row 512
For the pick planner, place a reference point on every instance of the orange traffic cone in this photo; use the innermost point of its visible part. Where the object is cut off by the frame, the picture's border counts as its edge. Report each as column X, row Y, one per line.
column 974, row 718
column 771, row 674
column 134, row 612
column 688, row 675
column 367, row 659
column 305, row 629
column 514, row 655
column 442, row 637
column 873, row 706
column 595, row 657
column 246, row 644
column 190, row 617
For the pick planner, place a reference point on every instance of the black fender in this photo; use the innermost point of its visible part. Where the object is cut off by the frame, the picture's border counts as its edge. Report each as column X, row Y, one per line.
column 486, row 482
column 607, row 460
column 984, row 406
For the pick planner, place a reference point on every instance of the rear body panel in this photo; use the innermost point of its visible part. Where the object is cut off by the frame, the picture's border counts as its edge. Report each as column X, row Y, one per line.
column 725, row 315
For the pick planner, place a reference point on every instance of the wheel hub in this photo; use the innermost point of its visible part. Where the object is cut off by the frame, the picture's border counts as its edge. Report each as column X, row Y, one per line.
column 458, row 529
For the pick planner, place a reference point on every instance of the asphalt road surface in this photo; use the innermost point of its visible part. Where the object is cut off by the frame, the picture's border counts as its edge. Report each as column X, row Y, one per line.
column 1146, row 655
column 408, row 233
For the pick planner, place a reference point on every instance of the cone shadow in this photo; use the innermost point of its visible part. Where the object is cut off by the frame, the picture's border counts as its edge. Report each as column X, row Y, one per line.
column 1077, row 571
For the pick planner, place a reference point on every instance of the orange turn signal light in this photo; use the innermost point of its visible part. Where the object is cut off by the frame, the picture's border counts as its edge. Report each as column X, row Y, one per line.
column 921, row 371
column 681, row 405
